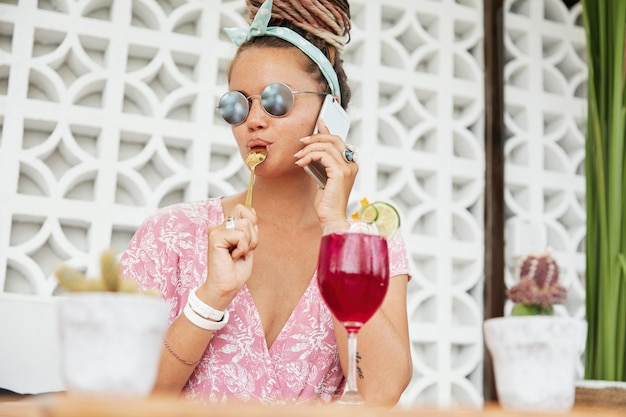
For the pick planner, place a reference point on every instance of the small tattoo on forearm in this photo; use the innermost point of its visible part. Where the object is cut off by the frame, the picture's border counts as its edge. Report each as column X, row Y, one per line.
column 359, row 371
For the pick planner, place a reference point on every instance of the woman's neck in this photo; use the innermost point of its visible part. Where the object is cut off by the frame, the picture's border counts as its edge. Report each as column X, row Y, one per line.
column 290, row 199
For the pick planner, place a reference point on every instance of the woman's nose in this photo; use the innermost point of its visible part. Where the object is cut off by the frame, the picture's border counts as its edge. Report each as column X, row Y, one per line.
column 257, row 115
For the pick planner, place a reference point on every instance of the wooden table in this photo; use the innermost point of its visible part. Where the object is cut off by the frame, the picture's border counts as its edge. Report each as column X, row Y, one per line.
column 66, row 406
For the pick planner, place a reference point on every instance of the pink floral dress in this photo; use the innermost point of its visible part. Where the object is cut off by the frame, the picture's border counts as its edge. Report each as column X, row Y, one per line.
column 168, row 252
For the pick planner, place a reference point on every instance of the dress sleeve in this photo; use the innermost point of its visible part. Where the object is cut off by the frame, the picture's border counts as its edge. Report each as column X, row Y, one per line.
column 149, row 259
column 398, row 256
column 168, row 251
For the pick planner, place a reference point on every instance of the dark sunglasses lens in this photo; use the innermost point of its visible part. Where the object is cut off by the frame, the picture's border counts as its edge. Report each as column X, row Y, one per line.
column 277, row 99
column 233, row 107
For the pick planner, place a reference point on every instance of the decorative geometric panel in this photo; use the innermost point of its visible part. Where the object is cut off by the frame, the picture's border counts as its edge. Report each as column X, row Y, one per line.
column 107, row 113
column 545, row 120
column 423, row 70
column 546, row 107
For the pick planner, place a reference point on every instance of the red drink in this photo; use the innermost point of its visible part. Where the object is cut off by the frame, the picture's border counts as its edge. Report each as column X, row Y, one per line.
column 353, row 275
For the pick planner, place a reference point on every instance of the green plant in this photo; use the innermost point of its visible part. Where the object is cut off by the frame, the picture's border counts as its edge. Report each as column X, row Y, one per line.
column 110, row 280
column 605, row 21
column 538, row 288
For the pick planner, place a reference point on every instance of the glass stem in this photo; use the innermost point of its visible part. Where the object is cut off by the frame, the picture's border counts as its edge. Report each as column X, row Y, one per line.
column 352, row 387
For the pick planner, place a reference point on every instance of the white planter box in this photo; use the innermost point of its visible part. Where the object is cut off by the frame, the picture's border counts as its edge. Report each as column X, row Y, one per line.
column 534, row 360
column 111, row 342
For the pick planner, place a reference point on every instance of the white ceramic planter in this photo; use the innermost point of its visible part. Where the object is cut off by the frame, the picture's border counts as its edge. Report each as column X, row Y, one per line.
column 111, row 342
column 535, row 360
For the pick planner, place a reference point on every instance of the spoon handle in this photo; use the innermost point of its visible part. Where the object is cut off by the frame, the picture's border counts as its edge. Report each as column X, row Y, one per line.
column 249, row 194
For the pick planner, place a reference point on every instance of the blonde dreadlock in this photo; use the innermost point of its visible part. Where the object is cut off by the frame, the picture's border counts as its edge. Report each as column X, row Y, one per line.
column 328, row 20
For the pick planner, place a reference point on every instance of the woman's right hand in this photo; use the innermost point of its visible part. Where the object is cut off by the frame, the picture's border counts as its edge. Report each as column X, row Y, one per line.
column 229, row 258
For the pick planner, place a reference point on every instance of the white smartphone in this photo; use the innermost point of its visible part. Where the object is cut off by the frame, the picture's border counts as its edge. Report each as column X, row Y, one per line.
column 338, row 123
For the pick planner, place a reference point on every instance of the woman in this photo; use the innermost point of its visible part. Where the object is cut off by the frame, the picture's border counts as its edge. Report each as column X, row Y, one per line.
column 247, row 320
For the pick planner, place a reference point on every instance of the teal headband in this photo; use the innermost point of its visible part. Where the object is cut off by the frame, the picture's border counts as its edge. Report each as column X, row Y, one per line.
column 259, row 28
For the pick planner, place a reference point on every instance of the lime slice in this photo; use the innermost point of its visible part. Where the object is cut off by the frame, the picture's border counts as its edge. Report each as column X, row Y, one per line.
column 362, row 204
column 369, row 213
column 388, row 220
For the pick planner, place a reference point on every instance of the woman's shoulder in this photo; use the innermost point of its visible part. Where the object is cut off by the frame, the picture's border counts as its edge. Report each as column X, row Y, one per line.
column 195, row 212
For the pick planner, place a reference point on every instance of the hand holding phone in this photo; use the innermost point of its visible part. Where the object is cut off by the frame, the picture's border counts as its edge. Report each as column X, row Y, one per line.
column 338, row 123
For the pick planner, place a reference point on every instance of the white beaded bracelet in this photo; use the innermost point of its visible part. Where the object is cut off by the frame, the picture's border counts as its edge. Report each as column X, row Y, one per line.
column 203, row 309
column 205, row 323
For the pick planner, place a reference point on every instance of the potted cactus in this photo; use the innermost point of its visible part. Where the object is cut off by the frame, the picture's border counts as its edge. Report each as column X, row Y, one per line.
column 538, row 288
column 110, row 333
column 535, row 352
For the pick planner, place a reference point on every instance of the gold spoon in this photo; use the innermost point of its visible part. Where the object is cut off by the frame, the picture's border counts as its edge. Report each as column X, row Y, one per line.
column 253, row 159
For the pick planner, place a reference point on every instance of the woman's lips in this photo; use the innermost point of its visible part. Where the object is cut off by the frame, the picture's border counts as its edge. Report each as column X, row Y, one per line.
column 257, row 143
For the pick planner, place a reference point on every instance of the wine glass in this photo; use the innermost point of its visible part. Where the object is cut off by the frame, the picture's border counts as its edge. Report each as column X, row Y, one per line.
column 353, row 276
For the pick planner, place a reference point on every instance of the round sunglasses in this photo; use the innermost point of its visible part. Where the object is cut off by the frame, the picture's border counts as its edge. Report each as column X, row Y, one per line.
column 276, row 99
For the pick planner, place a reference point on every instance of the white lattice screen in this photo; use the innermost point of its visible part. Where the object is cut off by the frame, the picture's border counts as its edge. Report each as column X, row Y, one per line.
column 546, row 107
column 106, row 113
